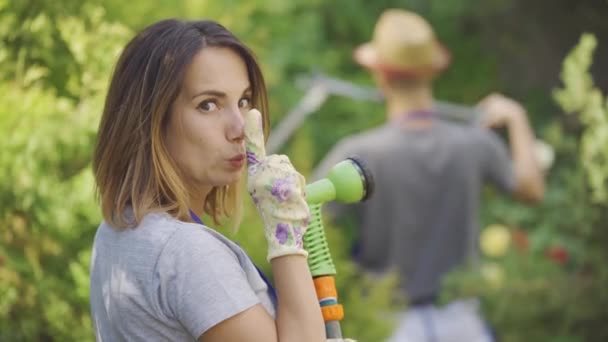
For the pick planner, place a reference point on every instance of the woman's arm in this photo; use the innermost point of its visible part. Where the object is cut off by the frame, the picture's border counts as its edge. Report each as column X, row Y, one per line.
column 278, row 192
column 298, row 315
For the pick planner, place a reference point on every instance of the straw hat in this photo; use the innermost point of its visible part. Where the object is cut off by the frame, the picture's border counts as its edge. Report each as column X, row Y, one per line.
column 404, row 45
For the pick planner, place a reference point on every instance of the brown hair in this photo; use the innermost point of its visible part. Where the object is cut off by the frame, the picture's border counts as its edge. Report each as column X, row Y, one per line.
column 132, row 166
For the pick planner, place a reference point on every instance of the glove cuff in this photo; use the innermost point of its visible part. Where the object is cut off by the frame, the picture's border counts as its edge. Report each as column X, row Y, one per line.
column 284, row 239
column 282, row 250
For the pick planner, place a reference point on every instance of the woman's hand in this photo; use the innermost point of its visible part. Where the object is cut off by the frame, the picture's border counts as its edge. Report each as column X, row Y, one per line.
column 277, row 190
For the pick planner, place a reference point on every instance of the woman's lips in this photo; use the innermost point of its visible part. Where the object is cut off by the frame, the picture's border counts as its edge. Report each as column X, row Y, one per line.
column 237, row 161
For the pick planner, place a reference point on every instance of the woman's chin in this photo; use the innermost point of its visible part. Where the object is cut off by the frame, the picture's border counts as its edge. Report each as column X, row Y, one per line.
column 231, row 178
column 223, row 178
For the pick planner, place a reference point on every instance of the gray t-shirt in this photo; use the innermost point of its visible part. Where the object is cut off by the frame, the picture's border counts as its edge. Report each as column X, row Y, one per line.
column 422, row 219
column 168, row 280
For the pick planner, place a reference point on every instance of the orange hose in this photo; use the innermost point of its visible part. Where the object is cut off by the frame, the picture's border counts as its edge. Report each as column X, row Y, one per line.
column 325, row 287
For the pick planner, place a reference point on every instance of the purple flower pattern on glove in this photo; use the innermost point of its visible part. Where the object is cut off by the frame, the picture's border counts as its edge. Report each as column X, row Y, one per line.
column 281, row 189
column 251, row 158
column 298, row 237
column 282, row 233
column 276, row 189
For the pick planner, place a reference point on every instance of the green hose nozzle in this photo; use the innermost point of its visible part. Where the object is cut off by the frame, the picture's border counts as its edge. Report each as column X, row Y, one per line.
column 349, row 181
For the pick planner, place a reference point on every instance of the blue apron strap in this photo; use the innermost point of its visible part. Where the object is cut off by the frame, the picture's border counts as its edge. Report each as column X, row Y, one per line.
column 271, row 289
column 195, row 217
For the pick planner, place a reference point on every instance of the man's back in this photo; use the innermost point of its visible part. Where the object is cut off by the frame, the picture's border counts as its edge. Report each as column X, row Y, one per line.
column 422, row 219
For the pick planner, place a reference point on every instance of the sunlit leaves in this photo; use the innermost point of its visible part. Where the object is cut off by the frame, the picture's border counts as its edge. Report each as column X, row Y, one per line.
column 47, row 207
column 580, row 97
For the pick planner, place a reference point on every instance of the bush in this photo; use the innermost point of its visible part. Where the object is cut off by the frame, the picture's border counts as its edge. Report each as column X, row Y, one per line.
column 549, row 284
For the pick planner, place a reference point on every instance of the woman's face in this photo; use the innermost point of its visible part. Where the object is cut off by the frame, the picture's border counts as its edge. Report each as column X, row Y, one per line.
column 205, row 133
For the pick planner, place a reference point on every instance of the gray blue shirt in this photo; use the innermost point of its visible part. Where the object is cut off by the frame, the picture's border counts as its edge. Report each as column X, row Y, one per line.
column 168, row 280
column 423, row 217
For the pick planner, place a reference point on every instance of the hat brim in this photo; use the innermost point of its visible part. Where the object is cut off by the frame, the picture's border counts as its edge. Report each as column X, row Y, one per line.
column 367, row 56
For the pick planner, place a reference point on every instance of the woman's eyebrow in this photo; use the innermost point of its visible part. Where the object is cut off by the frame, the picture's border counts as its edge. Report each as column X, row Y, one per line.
column 215, row 93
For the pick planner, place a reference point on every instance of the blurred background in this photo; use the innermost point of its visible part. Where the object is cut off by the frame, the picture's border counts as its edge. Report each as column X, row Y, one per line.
column 543, row 275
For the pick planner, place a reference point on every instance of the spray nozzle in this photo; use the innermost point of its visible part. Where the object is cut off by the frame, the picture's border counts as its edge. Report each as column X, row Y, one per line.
column 349, row 181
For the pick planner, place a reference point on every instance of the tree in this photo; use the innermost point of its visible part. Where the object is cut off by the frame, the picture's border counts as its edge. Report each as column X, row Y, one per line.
column 47, row 209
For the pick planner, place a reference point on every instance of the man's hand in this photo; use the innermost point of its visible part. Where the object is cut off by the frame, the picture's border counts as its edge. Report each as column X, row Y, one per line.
column 499, row 110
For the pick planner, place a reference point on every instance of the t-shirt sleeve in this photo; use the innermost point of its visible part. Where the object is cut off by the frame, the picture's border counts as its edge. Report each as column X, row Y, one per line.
column 496, row 163
column 201, row 281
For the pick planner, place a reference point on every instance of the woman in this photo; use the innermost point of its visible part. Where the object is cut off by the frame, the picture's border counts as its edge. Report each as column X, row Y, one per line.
column 172, row 146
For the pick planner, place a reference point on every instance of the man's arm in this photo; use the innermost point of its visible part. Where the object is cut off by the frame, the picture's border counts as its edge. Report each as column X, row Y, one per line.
column 501, row 111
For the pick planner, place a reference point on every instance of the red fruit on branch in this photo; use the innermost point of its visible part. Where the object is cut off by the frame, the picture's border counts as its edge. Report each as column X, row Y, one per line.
column 558, row 254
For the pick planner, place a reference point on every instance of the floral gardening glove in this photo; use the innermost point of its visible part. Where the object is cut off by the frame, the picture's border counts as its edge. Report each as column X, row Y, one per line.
column 277, row 190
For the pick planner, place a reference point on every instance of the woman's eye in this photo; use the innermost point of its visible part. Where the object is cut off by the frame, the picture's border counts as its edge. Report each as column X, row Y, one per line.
column 207, row 106
column 245, row 102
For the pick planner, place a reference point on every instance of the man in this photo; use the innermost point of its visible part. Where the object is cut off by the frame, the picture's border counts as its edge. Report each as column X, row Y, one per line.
column 423, row 218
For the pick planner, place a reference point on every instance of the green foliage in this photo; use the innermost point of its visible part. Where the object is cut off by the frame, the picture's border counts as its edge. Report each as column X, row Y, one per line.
column 47, row 208
column 46, row 214
column 549, row 286
column 579, row 96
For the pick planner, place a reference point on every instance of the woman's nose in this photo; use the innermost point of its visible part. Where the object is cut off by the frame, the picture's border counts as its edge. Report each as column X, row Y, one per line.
column 236, row 126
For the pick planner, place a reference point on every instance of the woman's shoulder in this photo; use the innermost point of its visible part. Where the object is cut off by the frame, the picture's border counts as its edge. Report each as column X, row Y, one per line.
column 193, row 239
column 162, row 234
